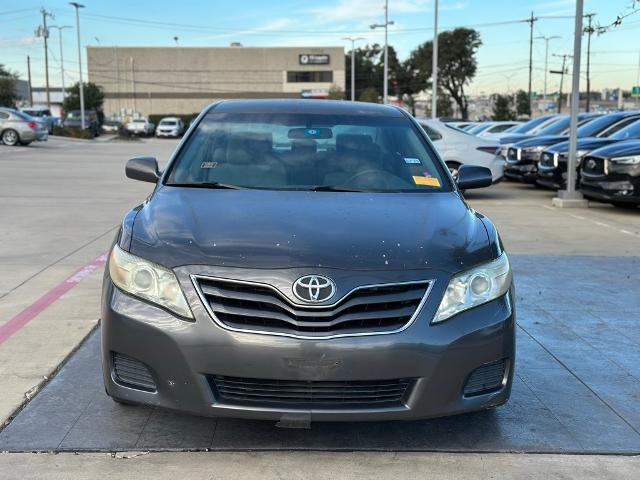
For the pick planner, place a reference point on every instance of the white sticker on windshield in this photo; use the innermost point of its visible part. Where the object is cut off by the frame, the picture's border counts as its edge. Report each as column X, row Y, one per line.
column 411, row 160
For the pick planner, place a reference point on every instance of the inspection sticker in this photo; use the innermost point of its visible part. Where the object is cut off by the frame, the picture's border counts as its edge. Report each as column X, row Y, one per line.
column 428, row 181
column 208, row 164
column 412, row 161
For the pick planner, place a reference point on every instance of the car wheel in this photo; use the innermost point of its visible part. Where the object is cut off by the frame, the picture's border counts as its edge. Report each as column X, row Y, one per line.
column 24, row 144
column 10, row 137
column 626, row 206
column 453, row 168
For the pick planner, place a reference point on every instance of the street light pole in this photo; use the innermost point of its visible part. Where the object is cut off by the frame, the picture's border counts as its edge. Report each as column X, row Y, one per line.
column 78, row 6
column 546, row 60
column 353, row 65
column 60, row 28
column 434, row 65
column 385, row 79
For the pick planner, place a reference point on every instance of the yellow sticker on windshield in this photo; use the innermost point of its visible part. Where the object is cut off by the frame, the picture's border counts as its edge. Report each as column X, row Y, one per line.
column 428, row 181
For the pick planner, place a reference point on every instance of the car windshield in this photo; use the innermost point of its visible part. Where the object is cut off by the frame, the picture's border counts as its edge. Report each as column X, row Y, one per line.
column 479, row 128
column 557, row 127
column 139, row 120
column 308, row 152
column 168, row 123
column 594, row 127
column 73, row 114
column 630, row 132
column 530, row 125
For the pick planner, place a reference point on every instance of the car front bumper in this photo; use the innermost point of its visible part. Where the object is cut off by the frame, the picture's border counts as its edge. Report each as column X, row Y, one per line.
column 182, row 356
column 619, row 189
column 168, row 133
column 524, row 171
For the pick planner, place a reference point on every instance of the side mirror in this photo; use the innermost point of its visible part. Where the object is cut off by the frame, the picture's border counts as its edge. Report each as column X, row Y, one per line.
column 144, row 169
column 473, row 176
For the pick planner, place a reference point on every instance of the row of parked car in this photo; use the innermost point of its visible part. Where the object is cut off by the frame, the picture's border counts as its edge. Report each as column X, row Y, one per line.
column 608, row 154
column 167, row 127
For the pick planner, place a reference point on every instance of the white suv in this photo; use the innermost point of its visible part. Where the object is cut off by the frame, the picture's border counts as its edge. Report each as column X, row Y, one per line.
column 170, row 127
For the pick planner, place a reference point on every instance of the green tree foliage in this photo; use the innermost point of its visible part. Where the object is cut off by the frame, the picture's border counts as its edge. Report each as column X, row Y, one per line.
column 369, row 94
column 457, row 65
column 336, row 93
column 8, row 94
column 502, row 107
column 93, row 97
column 523, row 105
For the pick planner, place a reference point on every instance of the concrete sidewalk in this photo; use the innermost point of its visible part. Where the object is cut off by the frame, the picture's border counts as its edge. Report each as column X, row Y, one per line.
column 314, row 465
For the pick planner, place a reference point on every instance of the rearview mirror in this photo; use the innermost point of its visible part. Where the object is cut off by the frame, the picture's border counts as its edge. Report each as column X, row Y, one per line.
column 473, row 176
column 144, row 169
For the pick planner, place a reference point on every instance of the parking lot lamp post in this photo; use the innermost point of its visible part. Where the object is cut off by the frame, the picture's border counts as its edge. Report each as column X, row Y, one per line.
column 78, row 6
column 570, row 197
column 60, row 28
column 546, row 60
column 385, row 79
column 434, row 65
column 353, row 65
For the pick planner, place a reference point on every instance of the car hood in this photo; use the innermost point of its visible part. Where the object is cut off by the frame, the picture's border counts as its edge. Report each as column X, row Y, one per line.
column 281, row 229
column 540, row 141
column 618, row 149
column 588, row 143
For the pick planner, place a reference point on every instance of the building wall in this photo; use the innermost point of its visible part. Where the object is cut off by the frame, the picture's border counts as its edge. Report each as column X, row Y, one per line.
column 164, row 80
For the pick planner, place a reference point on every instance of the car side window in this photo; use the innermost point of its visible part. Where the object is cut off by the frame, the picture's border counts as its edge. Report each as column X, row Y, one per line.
column 4, row 115
column 618, row 126
column 431, row 133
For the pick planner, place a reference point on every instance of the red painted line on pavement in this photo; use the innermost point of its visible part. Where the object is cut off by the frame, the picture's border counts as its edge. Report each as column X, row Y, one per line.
column 26, row 315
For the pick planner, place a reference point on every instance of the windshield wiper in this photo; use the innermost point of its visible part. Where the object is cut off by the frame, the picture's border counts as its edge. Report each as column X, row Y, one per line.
column 206, row 185
column 334, row 188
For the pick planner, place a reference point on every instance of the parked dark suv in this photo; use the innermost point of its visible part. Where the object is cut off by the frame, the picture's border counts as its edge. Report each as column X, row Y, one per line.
column 73, row 119
column 307, row 260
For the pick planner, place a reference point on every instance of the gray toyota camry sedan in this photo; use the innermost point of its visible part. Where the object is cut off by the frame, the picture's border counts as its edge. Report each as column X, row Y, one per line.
column 308, row 260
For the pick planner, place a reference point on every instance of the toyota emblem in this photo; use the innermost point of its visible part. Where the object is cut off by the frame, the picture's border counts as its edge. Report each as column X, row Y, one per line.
column 591, row 164
column 314, row 288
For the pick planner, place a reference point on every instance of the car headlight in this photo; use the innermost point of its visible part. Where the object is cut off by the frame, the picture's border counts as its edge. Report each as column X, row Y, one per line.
column 147, row 280
column 631, row 160
column 474, row 287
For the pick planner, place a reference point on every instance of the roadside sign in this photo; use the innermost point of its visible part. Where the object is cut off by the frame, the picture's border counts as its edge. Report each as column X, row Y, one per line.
column 635, row 91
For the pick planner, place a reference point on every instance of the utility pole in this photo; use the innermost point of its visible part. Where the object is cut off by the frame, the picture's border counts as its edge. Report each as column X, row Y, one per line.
column 531, row 20
column 561, row 73
column 385, row 79
column 133, row 83
column 29, row 77
column 546, row 60
column 60, row 28
column 589, row 31
column 570, row 197
column 43, row 32
column 638, row 80
column 78, row 6
column 353, row 65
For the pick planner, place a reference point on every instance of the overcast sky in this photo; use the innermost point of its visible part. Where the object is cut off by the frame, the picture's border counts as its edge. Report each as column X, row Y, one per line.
column 502, row 59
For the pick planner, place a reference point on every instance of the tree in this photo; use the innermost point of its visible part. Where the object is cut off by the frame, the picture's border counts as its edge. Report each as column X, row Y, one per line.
column 369, row 94
column 523, row 105
column 8, row 94
column 502, row 107
column 93, row 97
column 443, row 105
column 456, row 64
column 367, row 73
column 336, row 93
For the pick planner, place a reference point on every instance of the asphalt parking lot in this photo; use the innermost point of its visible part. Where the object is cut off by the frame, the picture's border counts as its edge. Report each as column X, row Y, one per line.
column 577, row 386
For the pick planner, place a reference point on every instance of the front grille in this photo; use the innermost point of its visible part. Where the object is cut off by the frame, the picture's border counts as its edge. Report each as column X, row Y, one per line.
column 593, row 166
column 258, row 307
column 132, row 373
column 310, row 394
column 485, row 379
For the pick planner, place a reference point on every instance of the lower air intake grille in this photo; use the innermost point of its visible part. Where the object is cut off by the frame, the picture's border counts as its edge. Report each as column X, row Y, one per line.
column 485, row 379
column 309, row 394
column 132, row 373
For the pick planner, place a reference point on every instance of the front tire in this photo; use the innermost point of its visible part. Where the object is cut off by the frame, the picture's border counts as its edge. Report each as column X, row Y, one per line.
column 10, row 137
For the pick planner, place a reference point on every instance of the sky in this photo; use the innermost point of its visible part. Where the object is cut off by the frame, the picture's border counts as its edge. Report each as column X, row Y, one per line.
column 502, row 58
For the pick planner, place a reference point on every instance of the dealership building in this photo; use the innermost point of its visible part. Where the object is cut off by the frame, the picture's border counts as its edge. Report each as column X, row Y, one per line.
column 182, row 80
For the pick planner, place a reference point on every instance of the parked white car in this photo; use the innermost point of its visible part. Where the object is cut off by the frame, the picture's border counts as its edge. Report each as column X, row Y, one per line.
column 140, row 126
column 170, row 127
column 461, row 148
column 488, row 129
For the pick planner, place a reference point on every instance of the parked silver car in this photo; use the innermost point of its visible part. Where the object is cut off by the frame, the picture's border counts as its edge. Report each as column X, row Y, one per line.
column 19, row 128
column 43, row 115
column 170, row 127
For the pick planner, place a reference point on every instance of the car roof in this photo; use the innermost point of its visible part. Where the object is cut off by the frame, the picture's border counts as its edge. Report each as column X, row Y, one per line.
column 318, row 107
